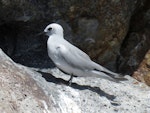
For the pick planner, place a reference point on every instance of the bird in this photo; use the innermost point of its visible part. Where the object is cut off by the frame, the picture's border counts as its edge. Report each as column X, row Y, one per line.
column 73, row 61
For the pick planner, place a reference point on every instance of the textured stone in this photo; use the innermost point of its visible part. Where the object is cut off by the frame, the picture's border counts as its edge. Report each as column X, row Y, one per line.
column 20, row 93
column 135, row 48
column 137, row 41
column 24, row 90
column 143, row 72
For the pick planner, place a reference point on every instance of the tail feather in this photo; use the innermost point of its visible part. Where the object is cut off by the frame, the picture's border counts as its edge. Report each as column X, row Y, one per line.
column 109, row 74
column 116, row 76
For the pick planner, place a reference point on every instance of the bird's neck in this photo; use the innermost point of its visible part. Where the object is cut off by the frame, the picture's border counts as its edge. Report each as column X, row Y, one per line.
column 55, row 36
column 58, row 32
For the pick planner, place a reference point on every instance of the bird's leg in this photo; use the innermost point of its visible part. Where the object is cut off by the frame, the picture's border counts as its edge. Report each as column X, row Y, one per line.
column 70, row 80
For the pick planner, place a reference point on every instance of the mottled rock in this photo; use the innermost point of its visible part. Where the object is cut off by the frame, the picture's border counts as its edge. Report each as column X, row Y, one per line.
column 133, row 51
column 24, row 90
column 20, row 93
column 143, row 72
column 137, row 41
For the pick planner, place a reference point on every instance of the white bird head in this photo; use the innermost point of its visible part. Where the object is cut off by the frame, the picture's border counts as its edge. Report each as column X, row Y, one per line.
column 54, row 29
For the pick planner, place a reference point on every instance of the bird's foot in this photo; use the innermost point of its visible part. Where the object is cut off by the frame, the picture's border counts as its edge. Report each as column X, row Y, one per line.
column 70, row 80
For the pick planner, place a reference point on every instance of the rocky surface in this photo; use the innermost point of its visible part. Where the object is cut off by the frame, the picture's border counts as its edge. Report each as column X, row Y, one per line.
column 24, row 90
column 143, row 72
column 137, row 41
column 20, row 93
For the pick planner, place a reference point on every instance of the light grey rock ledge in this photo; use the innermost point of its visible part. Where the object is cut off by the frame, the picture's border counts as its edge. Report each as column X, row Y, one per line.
column 23, row 90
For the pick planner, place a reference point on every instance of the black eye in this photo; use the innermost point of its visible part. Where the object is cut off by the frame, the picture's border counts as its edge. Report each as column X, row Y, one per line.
column 49, row 29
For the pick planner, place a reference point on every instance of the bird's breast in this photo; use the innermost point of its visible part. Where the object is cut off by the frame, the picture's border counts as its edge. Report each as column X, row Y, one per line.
column 51, row 48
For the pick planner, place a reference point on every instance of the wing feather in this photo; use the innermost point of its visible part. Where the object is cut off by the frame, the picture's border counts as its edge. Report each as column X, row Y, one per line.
column 74, row 57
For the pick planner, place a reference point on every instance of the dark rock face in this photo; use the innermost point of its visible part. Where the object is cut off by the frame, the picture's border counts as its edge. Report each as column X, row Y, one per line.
column 133, row 51
column 108, row 31
column 137, row 41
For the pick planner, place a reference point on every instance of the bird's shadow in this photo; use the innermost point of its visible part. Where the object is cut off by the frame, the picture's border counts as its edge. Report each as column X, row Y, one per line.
column 50, row 78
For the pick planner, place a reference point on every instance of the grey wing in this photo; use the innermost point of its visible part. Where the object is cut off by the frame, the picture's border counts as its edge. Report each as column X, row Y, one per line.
column 74, row 56
column 79, row 52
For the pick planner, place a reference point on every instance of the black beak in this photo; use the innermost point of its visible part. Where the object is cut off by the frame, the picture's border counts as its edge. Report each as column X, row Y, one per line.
column 39, row 34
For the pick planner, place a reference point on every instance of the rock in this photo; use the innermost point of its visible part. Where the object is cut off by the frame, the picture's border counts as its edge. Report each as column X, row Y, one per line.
column 133, row 51
column 20, row 93
column 137, row 41
column 143, row 72
column 25, row 90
